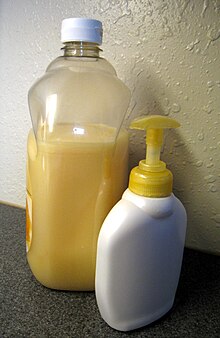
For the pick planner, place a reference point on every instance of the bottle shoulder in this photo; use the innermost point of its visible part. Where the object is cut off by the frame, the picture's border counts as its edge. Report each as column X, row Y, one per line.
column 81, row 64
column 133, row 216
column 65, row 71
column 155, row 207
column 133, row 206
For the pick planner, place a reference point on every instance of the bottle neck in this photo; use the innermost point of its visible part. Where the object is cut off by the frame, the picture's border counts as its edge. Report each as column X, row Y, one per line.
column 81, row 49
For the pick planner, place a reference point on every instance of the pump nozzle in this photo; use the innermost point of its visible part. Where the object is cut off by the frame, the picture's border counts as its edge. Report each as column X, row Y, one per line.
column 154, row 126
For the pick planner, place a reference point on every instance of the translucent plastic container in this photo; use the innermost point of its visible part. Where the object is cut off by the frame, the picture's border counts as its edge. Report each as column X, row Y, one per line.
column 77, row 158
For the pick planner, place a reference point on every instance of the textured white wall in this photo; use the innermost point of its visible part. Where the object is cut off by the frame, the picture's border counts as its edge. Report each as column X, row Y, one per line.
column 168, row 53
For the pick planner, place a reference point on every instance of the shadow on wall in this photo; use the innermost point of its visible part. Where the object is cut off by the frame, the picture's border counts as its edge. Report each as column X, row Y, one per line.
column 146, row 100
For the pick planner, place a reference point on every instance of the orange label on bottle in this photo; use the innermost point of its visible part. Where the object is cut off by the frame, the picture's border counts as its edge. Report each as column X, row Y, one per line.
column 28, row 221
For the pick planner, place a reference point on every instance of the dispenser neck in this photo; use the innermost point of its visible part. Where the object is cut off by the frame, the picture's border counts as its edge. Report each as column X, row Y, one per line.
column 151, row 178
column 81, row 49
column 154, row 141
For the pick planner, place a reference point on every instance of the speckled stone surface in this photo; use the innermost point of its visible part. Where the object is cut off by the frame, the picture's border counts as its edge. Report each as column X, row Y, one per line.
column 31, row 310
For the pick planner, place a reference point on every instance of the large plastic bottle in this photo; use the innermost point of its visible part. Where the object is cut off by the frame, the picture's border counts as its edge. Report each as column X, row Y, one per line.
column 77, row 158
column 141, row 242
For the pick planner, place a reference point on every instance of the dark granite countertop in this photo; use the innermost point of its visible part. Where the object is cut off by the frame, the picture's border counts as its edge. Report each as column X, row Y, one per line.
column 30, row 310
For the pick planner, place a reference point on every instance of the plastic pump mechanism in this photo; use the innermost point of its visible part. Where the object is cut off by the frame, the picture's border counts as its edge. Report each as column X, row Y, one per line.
column 151, row 178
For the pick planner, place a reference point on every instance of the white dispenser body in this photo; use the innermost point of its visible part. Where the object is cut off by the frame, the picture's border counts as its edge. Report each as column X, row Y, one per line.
column 139, row 257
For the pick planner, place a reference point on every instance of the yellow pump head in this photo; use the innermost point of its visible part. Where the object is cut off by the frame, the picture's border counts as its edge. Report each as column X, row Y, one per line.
column 151, row 178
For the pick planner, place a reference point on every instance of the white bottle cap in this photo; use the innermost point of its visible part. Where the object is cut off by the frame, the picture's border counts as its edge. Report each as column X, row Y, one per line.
column 81, row 29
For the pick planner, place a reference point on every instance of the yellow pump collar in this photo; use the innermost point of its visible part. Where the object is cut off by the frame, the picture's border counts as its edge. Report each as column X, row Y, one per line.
column 151, row 178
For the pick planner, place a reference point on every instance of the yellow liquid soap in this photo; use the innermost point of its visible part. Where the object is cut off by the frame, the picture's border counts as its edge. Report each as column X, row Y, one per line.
column 74, row 178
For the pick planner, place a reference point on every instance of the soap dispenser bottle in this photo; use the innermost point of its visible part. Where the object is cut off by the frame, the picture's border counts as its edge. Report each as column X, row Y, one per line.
column 141, row 242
